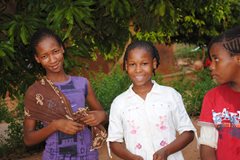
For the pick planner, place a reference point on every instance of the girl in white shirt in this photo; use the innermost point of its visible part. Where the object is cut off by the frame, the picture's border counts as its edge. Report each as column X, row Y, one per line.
column 144, row 119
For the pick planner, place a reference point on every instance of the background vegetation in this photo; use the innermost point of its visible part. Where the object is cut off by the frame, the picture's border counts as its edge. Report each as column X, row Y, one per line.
column 102, row 26
column 89, row 27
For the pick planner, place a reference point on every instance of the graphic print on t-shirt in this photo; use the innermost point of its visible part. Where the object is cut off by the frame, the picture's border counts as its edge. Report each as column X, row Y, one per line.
column 227, row 119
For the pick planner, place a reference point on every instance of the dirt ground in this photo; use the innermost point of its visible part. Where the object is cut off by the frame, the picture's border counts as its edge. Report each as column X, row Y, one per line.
column 190, row 152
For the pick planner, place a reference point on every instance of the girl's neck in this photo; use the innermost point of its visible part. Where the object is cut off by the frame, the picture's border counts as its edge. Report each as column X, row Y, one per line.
column 142, row 91
column 235, row 86
column 57, row 77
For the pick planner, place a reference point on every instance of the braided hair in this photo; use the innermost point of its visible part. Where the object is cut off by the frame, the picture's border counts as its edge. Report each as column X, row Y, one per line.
column 42, row 33
column 230, row 40
column 148, row 46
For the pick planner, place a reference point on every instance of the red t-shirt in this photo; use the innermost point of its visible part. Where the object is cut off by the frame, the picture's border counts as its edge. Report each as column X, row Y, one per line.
column 221, row 107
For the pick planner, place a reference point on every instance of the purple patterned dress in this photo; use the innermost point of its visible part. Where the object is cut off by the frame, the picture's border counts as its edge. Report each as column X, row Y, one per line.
column 60, row 146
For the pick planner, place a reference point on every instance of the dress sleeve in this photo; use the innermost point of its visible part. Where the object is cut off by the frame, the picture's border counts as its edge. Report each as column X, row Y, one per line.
column 181, row 120
column 115, row 128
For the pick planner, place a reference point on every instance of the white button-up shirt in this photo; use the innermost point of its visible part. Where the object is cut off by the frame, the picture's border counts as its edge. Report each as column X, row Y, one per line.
column 146, row 126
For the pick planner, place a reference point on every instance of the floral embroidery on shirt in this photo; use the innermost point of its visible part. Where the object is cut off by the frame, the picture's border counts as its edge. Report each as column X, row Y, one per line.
column 134, row 128
column 161, row 125
column 163, row 143
column 138, row 146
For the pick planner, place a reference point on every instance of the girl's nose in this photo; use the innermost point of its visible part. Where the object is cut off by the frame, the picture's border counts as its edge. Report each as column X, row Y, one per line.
column 138, row 68
column 52, row 59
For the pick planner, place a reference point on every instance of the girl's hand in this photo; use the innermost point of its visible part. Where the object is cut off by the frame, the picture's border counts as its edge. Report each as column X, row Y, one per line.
column 94, row 118
column 160, row 154
column 67, row 126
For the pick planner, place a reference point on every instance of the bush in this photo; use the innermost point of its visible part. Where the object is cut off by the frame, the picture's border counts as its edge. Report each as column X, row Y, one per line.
column 108, row 86
column 12, row 145
column 14, row 139
column 193, row 90
column 5, row 115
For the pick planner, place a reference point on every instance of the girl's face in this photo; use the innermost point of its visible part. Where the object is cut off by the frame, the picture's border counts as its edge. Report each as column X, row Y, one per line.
column 50, row 55
column 139, row 66
column 224, row 67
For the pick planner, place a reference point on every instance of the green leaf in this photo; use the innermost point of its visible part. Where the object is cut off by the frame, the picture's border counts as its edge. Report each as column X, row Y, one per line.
column 24, row 34
column 2, row 53
column 162, row 9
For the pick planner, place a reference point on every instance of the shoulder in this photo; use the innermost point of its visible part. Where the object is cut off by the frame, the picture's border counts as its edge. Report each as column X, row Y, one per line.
column 216, row 90
column 164, row 90
column 32, row 90
column 119, row 103
column 79, row 78
column 121, row 97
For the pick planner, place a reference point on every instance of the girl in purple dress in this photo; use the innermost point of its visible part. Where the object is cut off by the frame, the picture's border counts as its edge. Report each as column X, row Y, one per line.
column 65, row 138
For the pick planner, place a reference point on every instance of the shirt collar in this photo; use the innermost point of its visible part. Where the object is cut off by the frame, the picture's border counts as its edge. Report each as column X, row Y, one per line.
column 153, row 90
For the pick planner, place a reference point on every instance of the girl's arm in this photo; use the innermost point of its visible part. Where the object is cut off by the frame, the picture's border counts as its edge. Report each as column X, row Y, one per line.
column 208, row 142
column 207, row 153
column 97, row 114
column 179, row 143
column 120, row 150
column 32, row 136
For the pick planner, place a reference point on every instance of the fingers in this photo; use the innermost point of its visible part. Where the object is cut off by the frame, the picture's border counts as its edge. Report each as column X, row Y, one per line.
column 92, row 119
column 74, row 128
column 68, row 126
column 138, row 158
column 159, row 157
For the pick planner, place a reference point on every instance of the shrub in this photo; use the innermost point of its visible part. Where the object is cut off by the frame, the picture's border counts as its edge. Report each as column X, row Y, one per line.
column 12, row 145
column 108, row 86
column 5, row 115
column 14, row 138
column 193, row 90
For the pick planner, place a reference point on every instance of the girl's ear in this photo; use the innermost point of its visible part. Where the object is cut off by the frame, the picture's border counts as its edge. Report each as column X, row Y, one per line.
column 154, row 63
column 36, row 58
column 62, row 49
column 237, row 57
column 126, row 65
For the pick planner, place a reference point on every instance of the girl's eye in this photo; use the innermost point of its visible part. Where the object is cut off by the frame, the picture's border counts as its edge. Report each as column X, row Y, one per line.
column 131, row 64
column 216, row 59
column 145, row 63
column 44, row 57
column 56, row 51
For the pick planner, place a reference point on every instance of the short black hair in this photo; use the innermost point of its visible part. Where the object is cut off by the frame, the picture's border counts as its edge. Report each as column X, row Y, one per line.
column 230, row 40
column 148, row 46
column 42, row 33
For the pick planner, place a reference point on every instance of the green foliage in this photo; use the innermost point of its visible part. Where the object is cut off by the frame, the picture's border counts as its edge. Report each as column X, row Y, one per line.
column 14, row 132
column 12, row 146
column 192, row 52
column 5, row 115
column 107, row 87
column 89, row 26
column 193, row 90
